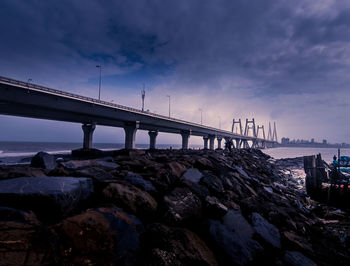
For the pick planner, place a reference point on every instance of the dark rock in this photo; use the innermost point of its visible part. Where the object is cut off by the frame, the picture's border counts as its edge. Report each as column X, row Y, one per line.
column 192, row 175
column 297, row 242
column 177, row 169
column 48, row 197
column 203, row 164
column 265, row 230
column 242, row 172
column 295, row 258
column 199, row 190
column 213, row 183
column 165, row 245
column 233, row 238
column 43, row 160
column 181, row 205
column 19, row 171
column 96, row 173
column 138, row 181
column 132, row 199
column 87, row 153
column 103, row 236
column 80, row 164
column 214, row 208
column 23, row 241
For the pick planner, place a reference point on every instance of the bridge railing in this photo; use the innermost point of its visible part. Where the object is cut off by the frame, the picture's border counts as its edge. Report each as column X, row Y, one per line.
column 89, row 99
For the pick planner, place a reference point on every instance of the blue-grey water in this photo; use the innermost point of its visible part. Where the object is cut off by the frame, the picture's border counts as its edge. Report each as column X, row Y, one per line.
column 18, row 150
column 292, row 152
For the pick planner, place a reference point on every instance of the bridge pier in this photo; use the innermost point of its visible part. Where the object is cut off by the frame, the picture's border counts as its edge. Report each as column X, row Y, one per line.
column 238, row 143
column 211, row 142
column 185, row 137
column 205, row 139
column 130, row 133
column 219, row 139
column 152, row 139
column 88, row 130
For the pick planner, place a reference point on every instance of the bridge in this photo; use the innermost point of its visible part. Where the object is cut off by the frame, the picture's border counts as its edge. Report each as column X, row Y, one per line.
column 25, row 99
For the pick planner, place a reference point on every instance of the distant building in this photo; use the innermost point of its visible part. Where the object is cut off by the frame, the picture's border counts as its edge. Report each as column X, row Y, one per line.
column 324, row 142
column 312, row 140
column 285, row 141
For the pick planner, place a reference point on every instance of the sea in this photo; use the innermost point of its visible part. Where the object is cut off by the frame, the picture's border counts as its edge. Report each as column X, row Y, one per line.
column 20, row 152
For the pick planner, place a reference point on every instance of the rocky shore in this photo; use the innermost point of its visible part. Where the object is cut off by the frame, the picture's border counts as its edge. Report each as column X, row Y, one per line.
column 166, row 207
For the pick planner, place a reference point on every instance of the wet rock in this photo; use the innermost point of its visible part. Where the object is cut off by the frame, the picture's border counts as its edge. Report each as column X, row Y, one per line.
column 138, row 181
column 295, row 258
column 79, row 164
column 297, row 241
column 199, row 190
column 177, row 169
column 96, row 173
column 23, row 241
column 215, row 208
column 48, row 197
column 103, row 236
column 181, row 205
column 175, row 246
column 213, row 183
column 43, row 160
column 265, row 230
column 233, row 239
column 131, row 198
column 192, row 175
column 242, row 172
column 20, row 171
column 203, row 164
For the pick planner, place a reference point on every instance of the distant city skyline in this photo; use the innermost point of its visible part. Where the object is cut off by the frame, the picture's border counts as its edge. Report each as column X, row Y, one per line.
column 275, row 61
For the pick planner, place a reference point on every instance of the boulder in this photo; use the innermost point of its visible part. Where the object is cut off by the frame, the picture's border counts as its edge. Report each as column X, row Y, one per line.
column 79, row 164
column 295, row 258
column 98, row 174
column 165, row 245
column 199, row 190
column 176, row 169
column 203, row 164
column 19, row 171
column 48, row 197
column 102, row 236
column 23, row 241
column 138, row 181
column 213, row 183
column 214, row 208
column 43, row 160
column 233, row 239
column 297, row 242
column 268, row 232
column 181, row 205
column 193, row 175
column 131, row 198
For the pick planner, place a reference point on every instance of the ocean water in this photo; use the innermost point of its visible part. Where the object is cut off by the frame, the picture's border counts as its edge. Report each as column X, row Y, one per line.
column 292, row 152
column 15, row 151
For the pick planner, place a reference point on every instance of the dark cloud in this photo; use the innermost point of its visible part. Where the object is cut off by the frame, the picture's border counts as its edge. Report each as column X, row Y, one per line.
column 257, row 49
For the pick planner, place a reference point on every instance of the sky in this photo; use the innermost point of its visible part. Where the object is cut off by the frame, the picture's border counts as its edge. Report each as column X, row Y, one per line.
column 273, row 60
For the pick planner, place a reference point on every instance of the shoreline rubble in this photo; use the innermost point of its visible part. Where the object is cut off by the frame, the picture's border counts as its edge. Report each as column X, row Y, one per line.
column 167, row 207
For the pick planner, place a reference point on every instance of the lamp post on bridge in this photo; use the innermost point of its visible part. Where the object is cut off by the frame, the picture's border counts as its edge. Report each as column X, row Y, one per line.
column 200, row 109
column 169, row 103
column 29, row 80
column 99, row 85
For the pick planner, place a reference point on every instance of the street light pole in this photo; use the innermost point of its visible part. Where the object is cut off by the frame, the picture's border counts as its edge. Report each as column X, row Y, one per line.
column 29, row 80
column 99, row 85
column 169, row 103
column 201, row 115
column 143, row 94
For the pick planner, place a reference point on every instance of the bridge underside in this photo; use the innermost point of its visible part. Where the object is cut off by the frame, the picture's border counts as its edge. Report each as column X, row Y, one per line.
column 19, row 101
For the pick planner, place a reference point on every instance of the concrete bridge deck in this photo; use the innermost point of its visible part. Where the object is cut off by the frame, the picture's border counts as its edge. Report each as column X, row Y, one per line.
column 24, row 99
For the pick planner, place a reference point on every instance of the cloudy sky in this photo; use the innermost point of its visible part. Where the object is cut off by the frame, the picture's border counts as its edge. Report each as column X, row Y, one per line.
column 274, row 60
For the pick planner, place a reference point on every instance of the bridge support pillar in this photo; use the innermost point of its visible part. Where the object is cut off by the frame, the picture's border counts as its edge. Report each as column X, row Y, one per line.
column 152, row 139
column 219, row 139
column 205, row 139
column 211, row 142
column 88, row 130
column 238, row 143
column 185, row 137
column 130, row 133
